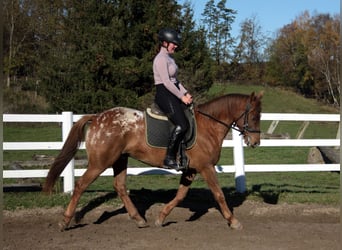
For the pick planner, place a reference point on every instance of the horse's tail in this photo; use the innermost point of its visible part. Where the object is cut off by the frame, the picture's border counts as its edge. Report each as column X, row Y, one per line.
column 68, row 151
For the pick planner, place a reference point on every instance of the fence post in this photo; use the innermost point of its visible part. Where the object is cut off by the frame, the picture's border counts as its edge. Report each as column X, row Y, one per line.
column 240, row 178
column 69, row 173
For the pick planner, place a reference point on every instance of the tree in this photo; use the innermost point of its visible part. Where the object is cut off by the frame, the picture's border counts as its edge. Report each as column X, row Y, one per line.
column 324, row 56
column 18, row 42
column 248, row 53
column 288, row 61
column 251, row 41
column 106, row 58
column 305, row 56
column 94, row 68
column 194, row 57
column 87, row 56
column 217, row 21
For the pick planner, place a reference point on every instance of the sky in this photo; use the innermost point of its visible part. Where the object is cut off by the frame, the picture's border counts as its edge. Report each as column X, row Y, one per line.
column 271, row 15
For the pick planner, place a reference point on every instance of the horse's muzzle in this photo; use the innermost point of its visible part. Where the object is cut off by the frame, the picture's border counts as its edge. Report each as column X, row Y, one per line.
column 250, row 142
column 255, row 145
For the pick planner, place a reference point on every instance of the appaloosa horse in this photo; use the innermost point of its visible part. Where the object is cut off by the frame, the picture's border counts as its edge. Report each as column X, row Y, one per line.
column 119, row 133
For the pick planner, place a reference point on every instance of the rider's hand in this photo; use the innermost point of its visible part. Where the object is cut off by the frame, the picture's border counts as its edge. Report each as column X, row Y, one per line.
column 187, row 99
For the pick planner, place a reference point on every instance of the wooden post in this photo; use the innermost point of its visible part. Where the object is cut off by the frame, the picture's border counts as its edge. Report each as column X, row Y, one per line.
column 272, row 127
column 302, row 129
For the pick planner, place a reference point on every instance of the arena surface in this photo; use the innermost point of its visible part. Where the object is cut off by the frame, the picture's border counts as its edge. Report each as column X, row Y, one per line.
column 190, row 226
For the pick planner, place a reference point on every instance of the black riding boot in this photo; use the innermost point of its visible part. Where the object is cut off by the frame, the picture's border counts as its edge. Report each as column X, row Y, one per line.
column 184, row 161
column 170, row 160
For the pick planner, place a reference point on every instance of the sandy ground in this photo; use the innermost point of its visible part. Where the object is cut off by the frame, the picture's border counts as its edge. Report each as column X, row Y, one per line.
column 192, row 225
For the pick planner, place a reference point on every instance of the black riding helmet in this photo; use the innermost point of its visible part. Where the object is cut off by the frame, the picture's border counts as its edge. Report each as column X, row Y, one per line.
column 170, row 36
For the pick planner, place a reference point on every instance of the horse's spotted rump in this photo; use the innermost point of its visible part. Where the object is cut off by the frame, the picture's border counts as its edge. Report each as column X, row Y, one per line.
column 107, row 124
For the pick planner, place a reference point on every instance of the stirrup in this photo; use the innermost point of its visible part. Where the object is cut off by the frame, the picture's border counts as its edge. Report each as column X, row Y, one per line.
column 171, row 164
column 177, row 168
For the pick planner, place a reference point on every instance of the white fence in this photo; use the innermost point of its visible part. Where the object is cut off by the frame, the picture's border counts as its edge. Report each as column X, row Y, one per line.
column 67, row 119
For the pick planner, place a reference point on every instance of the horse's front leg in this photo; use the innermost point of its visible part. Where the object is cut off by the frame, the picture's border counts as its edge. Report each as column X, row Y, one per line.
column 185, row 182
column 210, row 177
column 120, row 174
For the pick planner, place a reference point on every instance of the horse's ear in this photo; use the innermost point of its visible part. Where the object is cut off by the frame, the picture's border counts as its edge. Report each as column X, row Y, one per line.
column 260, row 95
column 254, row 97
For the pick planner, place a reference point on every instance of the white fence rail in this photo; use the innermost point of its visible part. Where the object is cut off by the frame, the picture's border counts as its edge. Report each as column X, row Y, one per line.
column 239, row 168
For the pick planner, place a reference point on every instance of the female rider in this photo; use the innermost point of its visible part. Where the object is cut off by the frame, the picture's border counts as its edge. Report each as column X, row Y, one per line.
column 170, row 94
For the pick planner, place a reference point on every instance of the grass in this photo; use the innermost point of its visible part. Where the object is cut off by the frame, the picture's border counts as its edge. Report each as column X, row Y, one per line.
column 291, row 187
column 309, row 187
column 299, row 187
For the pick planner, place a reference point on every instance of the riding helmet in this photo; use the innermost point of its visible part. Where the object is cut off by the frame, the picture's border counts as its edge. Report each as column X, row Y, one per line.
column 170, row 36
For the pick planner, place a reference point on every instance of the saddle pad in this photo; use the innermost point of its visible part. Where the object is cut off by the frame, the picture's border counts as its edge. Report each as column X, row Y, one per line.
column 158, row 130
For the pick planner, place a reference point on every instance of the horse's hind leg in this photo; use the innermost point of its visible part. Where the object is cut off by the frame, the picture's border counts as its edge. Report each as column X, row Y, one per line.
column 88, row 177
column 120, row 174
column 210, row 177
column 185, row 182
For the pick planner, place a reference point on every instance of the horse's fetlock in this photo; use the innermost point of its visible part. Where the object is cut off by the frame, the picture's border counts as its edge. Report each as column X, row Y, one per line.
column 135, row 216
column 235, row 224
column 67, row 217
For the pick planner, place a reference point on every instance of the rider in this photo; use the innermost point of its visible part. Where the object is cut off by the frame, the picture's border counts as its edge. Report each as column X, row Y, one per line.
column 170, row 93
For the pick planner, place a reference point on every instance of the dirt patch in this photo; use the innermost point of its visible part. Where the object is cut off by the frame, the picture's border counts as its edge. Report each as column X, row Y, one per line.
column 190, row 226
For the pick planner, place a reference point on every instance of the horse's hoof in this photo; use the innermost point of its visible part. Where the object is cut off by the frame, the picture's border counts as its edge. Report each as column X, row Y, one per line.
column 236, row 225
column 158, row 223
column 142, row 224
column 62, row 226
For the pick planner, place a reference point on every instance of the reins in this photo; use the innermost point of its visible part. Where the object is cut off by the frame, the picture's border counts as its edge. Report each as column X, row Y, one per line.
column 232, row 125
column 216, row 120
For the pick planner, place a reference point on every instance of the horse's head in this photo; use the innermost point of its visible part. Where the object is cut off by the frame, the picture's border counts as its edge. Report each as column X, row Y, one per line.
column 249, row 121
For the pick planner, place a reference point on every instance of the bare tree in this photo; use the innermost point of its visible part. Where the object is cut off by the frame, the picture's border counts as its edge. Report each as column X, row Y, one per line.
column 249, row 52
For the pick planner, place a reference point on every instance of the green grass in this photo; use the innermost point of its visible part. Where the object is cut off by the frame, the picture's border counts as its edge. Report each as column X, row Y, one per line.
column 299, row 187
column 274, row 188
column 24, row 132
column 292, row 187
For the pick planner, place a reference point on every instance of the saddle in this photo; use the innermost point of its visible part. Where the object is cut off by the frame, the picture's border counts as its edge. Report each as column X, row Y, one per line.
column 159, row 127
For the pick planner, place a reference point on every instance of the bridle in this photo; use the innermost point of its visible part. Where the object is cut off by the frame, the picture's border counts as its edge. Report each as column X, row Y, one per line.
column 244, row 115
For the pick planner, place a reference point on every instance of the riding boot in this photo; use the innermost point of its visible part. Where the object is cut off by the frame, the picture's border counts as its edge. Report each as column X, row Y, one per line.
column 184, row 161
column 170, row 161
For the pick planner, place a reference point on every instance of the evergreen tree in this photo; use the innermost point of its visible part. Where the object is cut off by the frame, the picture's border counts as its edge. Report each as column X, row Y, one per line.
column 88, row 56
column 217, row 21
column 194, row 57
column 106, row 58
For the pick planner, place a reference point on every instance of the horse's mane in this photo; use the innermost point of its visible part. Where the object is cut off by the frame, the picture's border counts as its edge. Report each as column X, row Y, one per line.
column 228, row 101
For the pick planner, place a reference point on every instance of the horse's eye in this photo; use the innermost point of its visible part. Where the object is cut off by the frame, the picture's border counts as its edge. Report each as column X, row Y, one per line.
column 256, row 117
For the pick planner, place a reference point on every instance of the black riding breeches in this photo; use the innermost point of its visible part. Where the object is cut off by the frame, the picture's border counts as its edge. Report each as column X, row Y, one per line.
column 172, row 107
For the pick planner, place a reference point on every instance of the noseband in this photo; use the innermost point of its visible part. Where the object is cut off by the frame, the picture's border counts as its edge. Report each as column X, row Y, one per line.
column 245, row 126
column 244, row 115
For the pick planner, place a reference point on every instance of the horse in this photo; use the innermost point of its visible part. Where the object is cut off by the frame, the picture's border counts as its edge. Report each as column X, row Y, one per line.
column 114, row 135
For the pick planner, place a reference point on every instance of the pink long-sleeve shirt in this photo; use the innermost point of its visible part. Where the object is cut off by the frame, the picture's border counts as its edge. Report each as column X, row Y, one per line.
column 165, row 72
